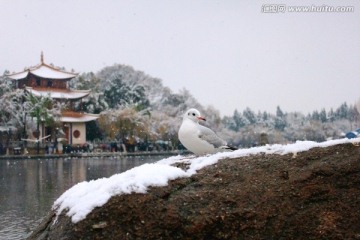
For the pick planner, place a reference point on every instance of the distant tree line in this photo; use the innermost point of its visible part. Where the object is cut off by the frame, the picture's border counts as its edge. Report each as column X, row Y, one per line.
column 283, row 127
column 134, row 105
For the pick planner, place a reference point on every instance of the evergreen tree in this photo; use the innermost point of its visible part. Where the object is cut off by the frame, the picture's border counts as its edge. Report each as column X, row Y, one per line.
column 353, row 114
column 265, row 116
column 331, row 115
column 118, row 93
column 280, row 124
column 342, row 111
column 315, row 116
column 238, row 121
column 249, row 115
column 322, row 116
column 280, row 121
column 279, row 112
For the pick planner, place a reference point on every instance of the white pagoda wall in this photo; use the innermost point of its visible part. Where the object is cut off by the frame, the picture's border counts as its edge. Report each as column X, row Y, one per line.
column 82, row 129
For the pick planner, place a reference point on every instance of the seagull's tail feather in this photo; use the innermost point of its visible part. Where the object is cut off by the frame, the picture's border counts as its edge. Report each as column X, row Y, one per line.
column 229, row 148
column 232, row 148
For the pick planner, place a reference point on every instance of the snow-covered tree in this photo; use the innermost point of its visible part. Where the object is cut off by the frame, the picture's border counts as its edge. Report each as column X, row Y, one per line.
column 342, row 111
column 249, row 115
column 124, row 122
column 11, row 108
column 119, row 93
column 42, row 110
column 323, row 116
column 235, row 122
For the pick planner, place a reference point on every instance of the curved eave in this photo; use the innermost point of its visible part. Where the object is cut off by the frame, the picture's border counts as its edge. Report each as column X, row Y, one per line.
column 17, row 76
column 83, row 118
column 71, row 94
column 44, row 71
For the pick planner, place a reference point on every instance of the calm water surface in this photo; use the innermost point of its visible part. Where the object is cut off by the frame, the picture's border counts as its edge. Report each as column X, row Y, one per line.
column 28, row 188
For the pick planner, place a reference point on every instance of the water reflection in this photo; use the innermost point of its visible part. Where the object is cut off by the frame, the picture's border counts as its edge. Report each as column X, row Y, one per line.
column 29, row 187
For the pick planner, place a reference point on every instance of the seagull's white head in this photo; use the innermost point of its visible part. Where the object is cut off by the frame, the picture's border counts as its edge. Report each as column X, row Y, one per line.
column 194, row 115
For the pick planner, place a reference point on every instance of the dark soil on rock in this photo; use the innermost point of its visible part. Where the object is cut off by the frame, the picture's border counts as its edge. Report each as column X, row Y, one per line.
column 310, row 195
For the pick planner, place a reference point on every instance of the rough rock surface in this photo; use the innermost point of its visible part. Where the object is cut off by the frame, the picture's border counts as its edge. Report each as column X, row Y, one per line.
column 310, row 195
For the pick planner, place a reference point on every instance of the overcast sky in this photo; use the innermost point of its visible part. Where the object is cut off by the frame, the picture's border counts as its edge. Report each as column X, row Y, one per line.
column 228, row 53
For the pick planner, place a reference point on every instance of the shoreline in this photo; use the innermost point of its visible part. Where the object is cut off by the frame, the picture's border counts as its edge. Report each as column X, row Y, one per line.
column 93, row 154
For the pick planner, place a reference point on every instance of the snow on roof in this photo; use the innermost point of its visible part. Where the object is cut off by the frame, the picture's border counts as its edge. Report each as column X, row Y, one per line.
column 82, row 198
column 72, row 117
column 59, row 94
column 19, row 75
column 83, row 118
column 45, row 71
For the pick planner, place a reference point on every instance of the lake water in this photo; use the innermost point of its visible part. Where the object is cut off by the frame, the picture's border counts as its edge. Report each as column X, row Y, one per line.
column 28, row 188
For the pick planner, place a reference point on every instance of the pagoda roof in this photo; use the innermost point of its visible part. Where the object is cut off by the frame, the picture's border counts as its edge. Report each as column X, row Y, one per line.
column 69, row 116
column 43, row 70
column 58, row 93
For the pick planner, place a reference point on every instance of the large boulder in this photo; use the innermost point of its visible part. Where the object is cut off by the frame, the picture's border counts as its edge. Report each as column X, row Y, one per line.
column 309, row 195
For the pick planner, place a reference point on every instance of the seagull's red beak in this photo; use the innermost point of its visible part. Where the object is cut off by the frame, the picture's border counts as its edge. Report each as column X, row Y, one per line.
column 201, row 118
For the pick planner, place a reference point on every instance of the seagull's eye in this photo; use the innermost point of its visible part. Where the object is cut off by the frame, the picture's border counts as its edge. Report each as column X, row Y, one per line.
column 193, row 114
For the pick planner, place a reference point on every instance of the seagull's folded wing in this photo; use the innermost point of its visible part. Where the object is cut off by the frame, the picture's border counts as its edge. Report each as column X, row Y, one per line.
column 210, row 136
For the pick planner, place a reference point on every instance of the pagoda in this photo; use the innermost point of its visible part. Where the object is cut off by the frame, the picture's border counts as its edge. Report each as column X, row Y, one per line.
column 47, row 80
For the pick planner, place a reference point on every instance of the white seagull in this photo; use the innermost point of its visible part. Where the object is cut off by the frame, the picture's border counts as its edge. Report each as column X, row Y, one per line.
column 199, row 139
